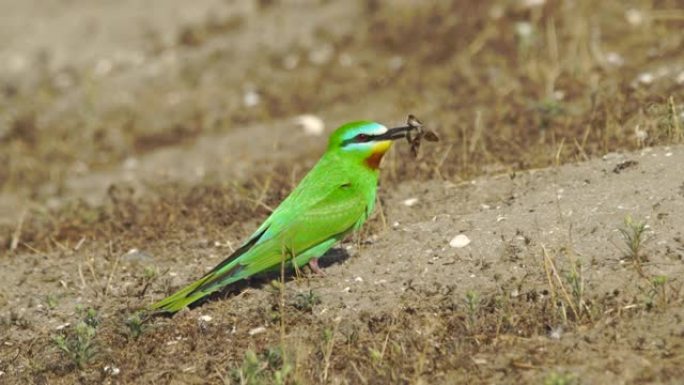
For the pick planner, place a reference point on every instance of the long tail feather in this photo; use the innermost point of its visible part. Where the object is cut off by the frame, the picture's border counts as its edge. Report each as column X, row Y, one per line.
column 182, row 297
column 208, row 284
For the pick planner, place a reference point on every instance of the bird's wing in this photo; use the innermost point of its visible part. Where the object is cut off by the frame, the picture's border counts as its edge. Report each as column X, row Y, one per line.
column 316, row 186
column 333, row 216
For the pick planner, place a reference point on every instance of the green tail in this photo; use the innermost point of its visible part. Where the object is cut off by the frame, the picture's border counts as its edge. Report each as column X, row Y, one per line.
column 224, row 273
column 183, row 297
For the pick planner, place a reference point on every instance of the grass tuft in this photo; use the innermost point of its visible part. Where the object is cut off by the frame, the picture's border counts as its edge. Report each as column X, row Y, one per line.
column 78, row 344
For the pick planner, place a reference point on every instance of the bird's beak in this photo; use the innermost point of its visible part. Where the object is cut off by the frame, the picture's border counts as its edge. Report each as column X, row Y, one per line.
column 394, row 133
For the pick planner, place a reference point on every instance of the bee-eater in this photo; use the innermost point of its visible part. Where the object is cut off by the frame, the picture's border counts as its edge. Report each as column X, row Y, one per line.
column 332, row 200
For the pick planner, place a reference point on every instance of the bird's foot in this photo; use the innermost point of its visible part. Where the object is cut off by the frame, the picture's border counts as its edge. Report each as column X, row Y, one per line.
column 313, row 265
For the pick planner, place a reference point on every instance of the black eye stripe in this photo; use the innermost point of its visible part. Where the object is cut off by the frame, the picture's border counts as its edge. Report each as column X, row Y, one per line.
column 359, row 138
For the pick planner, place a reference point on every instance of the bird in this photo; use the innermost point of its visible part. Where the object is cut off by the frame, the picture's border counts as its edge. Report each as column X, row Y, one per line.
column 333, row 200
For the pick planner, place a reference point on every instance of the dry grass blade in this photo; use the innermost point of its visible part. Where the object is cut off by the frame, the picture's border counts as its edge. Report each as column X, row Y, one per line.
column 550, row 266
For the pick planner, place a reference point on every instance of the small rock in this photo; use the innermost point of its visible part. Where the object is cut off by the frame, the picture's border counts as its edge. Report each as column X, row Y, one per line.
column 310, row 124
column 459, row 241
column 255, row 331
column 532, row 3
column 634, row 17
column 322, row 54
column 615, row 59
column 205, row 318
column 395, row 63
column 135, row 255
column 251, row 98
column 130, row 163
column 524, row 30
column 62, row 326
column 410, row 202
column 111, row 370
column 645, row 78
column 680, row 79
column 103, row 67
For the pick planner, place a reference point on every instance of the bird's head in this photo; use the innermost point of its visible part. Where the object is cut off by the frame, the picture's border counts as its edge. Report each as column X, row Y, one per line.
column 365, row 141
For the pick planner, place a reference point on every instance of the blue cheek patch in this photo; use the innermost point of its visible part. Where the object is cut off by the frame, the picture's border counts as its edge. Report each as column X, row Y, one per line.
column 365, row 146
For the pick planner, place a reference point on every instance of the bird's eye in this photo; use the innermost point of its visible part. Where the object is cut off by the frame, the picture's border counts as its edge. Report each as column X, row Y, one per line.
column 361, row 138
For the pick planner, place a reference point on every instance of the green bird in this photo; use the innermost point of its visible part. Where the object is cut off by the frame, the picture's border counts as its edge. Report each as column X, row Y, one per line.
column 332, row 200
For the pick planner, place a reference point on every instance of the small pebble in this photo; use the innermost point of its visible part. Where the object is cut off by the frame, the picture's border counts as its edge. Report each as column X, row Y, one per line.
column 634, row 17
column 410, row 202
column 459, row 241
column 310, row 124
column 251, row 98
column 111, row 370
column 135, row 255
column 62, row 326
column 646, row 78
column 255, row 331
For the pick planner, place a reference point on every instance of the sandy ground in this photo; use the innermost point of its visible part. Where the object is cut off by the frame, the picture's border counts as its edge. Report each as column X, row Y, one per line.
column 144, row 140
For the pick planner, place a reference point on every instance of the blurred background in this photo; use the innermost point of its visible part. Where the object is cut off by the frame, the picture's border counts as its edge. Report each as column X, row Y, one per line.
column 98, row 93
column 141, row 139
column 86, row 85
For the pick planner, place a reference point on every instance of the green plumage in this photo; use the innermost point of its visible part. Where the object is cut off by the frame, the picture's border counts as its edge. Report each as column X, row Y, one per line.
column 334, row 198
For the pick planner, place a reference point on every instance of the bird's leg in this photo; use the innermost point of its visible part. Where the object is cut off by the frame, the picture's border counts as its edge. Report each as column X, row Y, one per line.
column 313, row 264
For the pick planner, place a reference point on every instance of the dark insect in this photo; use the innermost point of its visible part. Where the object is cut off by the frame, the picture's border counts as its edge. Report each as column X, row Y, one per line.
column 414, row 139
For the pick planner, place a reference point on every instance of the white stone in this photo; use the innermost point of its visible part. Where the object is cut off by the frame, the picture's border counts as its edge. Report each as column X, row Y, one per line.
column 615, row 59
column 459, row 241
column 62, row 326
column 111, row 370
column 532, row 3
column 634, row 17
column 258, row 330
column 310, row 124
column 410, row 202
column 251, row 98
column 322, row 54
column 680, row 78
column 646, row 78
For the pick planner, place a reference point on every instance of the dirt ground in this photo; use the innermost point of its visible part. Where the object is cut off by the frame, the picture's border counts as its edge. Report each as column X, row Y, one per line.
column 539, row 242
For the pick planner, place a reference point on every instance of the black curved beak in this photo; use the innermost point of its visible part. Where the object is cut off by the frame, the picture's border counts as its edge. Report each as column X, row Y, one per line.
column 394, row 133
